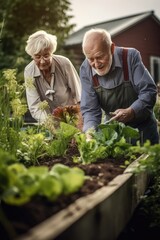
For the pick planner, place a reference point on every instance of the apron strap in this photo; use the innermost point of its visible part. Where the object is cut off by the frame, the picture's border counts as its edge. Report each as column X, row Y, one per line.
column 43, row 96
column 125, row 69
column 95, row 81
column 41, row 91
column 125, row 65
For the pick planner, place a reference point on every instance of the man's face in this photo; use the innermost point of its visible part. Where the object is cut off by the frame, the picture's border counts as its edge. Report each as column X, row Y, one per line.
column 99, row 57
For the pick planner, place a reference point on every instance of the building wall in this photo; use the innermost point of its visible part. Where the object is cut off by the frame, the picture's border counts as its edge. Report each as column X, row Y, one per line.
column 145, row 36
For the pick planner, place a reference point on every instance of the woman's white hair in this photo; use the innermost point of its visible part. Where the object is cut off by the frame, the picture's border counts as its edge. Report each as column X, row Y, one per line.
column 40, row 41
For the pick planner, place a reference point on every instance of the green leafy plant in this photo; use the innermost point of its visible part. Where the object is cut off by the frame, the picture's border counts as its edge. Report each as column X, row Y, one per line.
column 150, row 163
column 110, row 140
column 72, row 178
column 61, row 140
column 20, row 184
column 12, row 109
column 90, row 151
column 67, row 114
column 32, row 147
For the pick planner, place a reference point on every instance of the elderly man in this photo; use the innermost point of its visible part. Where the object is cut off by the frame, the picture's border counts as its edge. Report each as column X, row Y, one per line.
column 115, row 79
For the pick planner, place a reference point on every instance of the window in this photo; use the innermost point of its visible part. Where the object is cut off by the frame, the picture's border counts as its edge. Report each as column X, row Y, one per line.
column 155, row 69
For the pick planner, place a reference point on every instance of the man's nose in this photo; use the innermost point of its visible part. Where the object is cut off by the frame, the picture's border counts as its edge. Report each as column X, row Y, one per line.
column 96, row 63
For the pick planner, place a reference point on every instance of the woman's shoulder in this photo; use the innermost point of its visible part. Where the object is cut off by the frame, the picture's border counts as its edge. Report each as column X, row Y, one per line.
column 31, row 70
column 30, row 66
column 61, row 59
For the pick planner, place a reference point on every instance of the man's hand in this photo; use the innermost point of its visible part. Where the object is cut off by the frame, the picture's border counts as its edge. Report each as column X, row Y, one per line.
column 89, row 134
column 123, row 115
column 88, row 137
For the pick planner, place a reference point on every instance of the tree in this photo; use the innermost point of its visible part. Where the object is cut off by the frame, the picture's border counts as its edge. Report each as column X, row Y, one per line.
column 19, row 19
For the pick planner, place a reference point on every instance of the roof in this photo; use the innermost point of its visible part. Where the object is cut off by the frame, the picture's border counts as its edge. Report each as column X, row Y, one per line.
column 114, row 26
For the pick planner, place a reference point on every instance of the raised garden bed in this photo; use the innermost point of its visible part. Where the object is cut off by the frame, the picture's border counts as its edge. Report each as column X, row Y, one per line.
column 103, row 213
column 101, row 208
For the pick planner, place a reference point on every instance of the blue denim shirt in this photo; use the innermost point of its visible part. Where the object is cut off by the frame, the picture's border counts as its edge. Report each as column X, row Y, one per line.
column 139, row 76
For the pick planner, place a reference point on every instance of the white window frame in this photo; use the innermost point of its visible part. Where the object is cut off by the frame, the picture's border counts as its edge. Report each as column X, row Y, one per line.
column 153, row 61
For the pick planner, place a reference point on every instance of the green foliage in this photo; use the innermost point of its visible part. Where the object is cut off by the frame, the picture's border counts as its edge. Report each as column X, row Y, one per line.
column 31, row 148
column 12, row 109
column 151, row 164
column 117, row 136
column 19, row 19
column 21, row 148
column 110, row 140
column 68, row 114
column 90, row 151
column 6, row 159
column 22, row 184
column 72, row 178
column 152, row 203
column 121, row 129
column 62, row 138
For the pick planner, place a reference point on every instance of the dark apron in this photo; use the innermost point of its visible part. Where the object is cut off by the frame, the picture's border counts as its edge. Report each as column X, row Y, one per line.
column 123, row 96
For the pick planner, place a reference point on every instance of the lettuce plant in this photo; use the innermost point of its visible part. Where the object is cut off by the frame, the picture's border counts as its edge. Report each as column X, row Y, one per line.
column 20, row 184
column 110, row 140
column 67, row 114
column 90, row 151
column 63, row 135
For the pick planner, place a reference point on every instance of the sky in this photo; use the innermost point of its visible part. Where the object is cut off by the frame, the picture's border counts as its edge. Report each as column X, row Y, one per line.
column 88, row 12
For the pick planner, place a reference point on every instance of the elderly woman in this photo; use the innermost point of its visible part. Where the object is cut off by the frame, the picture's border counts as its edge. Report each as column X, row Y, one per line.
column 49, row 78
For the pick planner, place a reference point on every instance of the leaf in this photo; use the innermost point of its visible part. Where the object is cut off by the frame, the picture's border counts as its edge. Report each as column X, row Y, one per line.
column 68, row 130
column 12, row 196
column 60, row 168
column 72, row 178
column 50, row 187
column 130, row 132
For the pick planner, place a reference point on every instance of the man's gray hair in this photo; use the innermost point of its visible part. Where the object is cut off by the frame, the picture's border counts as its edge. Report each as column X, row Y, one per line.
column 40, row 41
column 106, row 37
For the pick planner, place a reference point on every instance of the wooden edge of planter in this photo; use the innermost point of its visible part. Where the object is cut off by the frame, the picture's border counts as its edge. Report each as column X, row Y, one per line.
column 135, row 164
column 134, row 187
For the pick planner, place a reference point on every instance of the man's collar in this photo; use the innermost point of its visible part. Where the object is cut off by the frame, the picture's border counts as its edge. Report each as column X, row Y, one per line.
column 116, row 60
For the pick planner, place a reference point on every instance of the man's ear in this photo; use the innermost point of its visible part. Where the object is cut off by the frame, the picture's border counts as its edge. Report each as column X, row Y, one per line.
column 112, row 48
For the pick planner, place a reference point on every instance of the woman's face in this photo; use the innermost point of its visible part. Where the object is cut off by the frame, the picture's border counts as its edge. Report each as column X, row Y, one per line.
column 43, row 59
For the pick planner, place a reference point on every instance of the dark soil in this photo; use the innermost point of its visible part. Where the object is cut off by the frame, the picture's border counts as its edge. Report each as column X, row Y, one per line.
column 22, row 218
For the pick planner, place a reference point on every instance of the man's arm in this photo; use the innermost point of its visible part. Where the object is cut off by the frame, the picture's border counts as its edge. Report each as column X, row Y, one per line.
column 90, row 107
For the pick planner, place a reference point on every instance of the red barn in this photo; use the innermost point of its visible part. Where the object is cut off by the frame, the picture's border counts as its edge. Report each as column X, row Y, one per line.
column 141, row 31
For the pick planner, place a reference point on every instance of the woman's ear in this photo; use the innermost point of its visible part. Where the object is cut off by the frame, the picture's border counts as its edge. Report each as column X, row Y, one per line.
column 112, row 48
